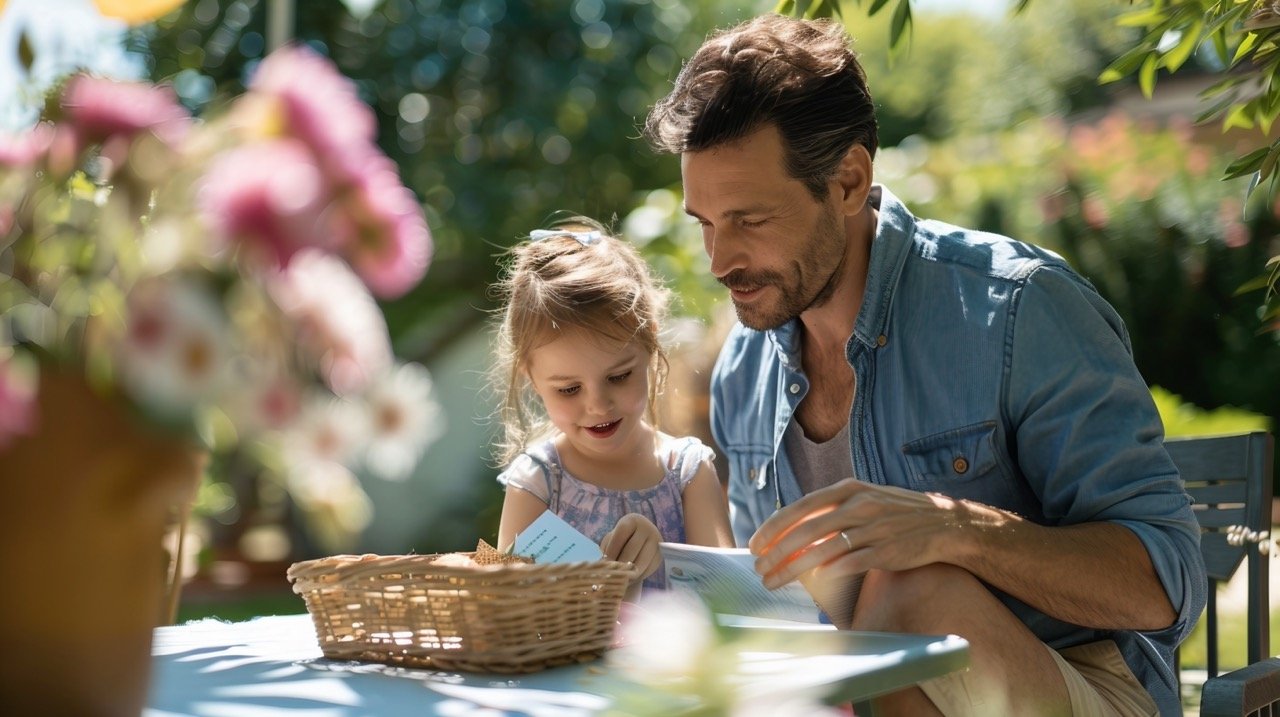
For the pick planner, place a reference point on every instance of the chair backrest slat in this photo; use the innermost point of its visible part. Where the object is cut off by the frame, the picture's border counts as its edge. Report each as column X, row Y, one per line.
column 1229, row 478
column 1212, row 457
column 1231, row 492
column 1222, row 518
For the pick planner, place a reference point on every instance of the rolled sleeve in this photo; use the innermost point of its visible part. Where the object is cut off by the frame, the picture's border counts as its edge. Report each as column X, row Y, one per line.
column 1090, row 440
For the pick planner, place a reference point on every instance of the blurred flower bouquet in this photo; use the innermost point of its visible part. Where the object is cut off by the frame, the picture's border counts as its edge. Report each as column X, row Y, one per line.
column 170, row 286
column 216, row 273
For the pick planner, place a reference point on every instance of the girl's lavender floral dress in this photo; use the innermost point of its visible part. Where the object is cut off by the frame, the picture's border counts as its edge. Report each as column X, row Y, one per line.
column 594, row 510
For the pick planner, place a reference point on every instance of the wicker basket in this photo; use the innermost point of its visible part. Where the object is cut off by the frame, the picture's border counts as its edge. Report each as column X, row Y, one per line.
column 412, row 610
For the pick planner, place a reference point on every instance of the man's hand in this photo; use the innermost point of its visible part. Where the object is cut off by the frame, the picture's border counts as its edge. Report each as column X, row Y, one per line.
column 852, row 526
column 634, row 540
column 1093, row 574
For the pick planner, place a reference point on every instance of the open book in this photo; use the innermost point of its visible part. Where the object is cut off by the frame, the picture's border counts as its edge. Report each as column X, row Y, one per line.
column 726, row 580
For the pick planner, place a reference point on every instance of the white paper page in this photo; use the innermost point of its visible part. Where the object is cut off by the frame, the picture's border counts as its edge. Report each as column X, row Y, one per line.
column 725, row 578
column 551, row 540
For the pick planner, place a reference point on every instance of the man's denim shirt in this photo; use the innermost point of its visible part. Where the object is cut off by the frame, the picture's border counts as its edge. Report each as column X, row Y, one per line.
column 987, row 370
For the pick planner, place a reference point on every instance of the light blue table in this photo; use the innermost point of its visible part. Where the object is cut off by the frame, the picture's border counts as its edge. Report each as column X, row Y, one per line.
column 273, row 666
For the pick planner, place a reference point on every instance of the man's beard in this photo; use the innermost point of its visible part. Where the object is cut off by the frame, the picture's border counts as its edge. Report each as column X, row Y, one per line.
column 813, row 279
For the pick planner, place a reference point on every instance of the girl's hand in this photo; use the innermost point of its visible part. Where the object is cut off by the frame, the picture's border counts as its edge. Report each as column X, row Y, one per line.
column 634, row 540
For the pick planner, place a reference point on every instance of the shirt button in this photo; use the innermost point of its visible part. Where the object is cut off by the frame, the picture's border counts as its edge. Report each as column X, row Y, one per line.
column 795, row 388
column 960, row 465
column 751, row 473
column 881, row 340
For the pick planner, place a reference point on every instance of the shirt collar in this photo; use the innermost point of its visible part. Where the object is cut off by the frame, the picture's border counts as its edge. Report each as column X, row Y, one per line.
column 895, row 228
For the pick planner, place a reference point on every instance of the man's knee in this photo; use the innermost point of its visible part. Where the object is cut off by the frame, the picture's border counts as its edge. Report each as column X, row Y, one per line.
column 921, row 600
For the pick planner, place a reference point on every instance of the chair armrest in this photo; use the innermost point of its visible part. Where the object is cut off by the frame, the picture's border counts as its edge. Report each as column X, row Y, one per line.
column 1243, row 692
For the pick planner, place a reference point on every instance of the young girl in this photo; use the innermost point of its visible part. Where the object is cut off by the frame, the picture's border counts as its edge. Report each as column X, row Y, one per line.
column 580, row 365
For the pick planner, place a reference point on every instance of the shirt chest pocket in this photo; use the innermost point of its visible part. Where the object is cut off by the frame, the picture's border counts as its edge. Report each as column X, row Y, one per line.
column 947, row 460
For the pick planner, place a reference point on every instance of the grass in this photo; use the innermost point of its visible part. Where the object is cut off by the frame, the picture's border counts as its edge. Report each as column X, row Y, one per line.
column 1231, row 642
column 1232, row 646
column 242, row 609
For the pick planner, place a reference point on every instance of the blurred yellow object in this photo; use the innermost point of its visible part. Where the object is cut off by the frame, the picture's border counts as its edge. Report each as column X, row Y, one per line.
column 134, row 12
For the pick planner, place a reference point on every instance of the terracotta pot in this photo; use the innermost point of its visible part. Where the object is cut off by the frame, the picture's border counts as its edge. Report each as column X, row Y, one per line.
column 84, row 505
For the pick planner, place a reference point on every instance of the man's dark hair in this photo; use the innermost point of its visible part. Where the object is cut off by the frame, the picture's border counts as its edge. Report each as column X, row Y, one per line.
column 799, row 75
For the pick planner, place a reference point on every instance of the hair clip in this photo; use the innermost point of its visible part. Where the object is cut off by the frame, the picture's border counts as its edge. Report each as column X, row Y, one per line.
column 583, row 238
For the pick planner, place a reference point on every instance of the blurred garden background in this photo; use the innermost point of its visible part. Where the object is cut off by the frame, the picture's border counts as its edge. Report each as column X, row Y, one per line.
column 501, row 112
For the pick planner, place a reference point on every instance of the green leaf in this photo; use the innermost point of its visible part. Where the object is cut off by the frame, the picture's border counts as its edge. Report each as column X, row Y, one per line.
column 1257, row 283
column 1124, row 65
column 784, row 7
column 1141, row 18
column 1254, row 181
column 1269, row 163
column 1246, row 164
column 1174, row 58
column 1220, row 22
column 1271, row 315
column 1022, row 5
column 1239, row 116
column 1147, row 75
column 1268, row 108
column 876, row 6
column 1220, row 86
column 822, row 9
column 901, row 23
column 1246, row 45
column 1216, row 109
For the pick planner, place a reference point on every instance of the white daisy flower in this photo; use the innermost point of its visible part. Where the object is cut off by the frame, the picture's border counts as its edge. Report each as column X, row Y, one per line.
column 404, row 419
column 176, row 350
column 327, row 429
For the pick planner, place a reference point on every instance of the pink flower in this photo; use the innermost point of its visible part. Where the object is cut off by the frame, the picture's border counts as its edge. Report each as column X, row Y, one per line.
column 378, row 224
column 267, row 198
column 338, row 321
column 1095, row 212
column 1234, row 232
column 27, row 148
column 19, row 412
column 321, row 107
column 382, row 231
column 100, row 109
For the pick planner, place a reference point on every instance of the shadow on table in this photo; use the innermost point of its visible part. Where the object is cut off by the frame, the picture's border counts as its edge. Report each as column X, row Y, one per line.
column 224, row 681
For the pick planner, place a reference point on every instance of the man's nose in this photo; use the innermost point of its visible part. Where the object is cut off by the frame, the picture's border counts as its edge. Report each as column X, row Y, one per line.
column 725, row 253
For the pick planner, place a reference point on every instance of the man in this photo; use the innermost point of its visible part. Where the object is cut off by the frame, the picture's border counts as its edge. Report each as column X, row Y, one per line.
column 1010, row 482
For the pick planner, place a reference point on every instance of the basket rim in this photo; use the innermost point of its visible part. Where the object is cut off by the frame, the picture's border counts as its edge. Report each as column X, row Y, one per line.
column 342, row 563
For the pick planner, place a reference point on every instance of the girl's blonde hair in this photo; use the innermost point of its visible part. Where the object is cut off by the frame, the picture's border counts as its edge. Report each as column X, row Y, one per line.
column 575, row 277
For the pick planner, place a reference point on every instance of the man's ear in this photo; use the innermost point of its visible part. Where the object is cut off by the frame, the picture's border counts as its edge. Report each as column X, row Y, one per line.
column 853, row 180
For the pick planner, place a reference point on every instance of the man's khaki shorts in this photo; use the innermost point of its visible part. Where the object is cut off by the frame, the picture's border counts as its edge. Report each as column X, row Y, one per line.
column 1098, row 681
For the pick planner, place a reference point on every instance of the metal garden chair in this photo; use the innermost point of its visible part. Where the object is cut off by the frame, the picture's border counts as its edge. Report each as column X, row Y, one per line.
column 1229, row 477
